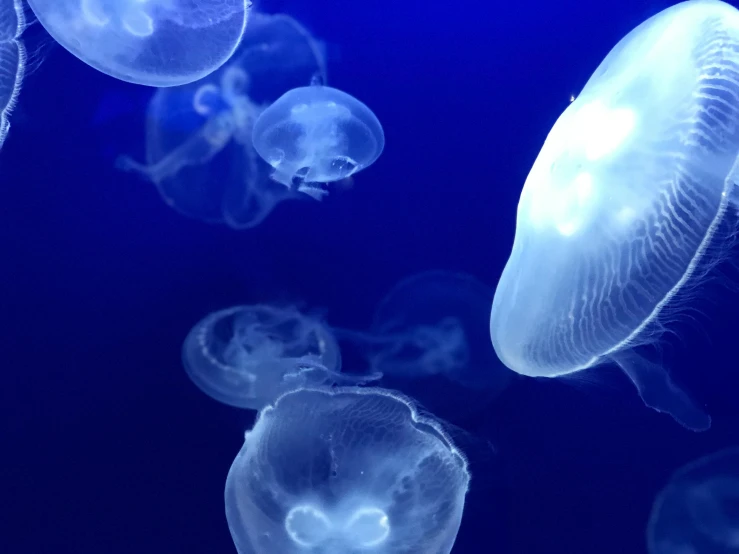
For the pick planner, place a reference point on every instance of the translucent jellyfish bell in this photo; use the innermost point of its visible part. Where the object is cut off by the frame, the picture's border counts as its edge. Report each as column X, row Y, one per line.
column 430, row 339
column 316, row 475
column 199, row 151
column 622, row 202
column 12, row 60
column 246, row 356
column 698, row 511
column 315, row 135
column 159, row 43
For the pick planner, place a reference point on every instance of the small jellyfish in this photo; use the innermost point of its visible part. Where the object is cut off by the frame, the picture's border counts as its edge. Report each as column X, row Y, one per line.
column 345, row 471
column 316, row 135
column 159, row 43
column 698, row 511
column 429, row 338
column 199, row 151
column 621, row 204
column 12, row 60
column 246, row 356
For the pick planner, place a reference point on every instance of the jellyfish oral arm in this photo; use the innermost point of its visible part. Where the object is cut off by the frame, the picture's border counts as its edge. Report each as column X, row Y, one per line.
column 309, row 371
column 197, row 150
column 660, row 393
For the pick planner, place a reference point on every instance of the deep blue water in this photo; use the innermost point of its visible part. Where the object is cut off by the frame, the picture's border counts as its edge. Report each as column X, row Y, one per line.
column 108, row 448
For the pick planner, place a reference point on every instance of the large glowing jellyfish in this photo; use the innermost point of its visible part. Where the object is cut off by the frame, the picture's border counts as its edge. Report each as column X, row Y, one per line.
column 12, row 60
column 246, row 356
column 315, row 135
column 158, row 43
column 198, row 149
column 622, row 202
column 345, row 471
column 429, row 338
column 698, row 511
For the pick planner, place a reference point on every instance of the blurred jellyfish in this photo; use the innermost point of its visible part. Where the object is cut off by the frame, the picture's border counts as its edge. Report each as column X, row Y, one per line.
column 12, row 60
column 198, row 149
column 316, row 135
column 622, row 202
column 430, row 339
column 698, row 511
column 246, row 356
column 345, row 471
column 158, row 43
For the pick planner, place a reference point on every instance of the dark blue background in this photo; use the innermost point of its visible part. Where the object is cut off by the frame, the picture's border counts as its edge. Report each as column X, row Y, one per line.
column 108, row 448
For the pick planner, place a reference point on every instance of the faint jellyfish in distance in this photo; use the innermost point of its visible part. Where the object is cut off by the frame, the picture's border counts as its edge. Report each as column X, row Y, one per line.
column 157, row 43
column 622, row 203
column 199, row 151
column 316, row 135
column 698, row 510
column 246, row 356
column 315, row 475
column 429, row 338
column 12, row 60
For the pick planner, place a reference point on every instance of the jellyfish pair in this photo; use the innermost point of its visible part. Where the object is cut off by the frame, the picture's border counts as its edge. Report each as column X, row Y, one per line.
column 247, row 356
column 698, row 511
column 150, row 42
column 345, row 471
column 199, row 150
column 12, row 60
column 200, row 141
column 621, row 204
column 429, row 339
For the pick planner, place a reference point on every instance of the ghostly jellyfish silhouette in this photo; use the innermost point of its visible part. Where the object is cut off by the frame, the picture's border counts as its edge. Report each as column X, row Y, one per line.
column 150, row 42
column 345, row 471
column 246, row 356
column 430, row 340
column 316, row 135
column 199, row 136
column 698, row 511
column 12, row 60
column 622, row 202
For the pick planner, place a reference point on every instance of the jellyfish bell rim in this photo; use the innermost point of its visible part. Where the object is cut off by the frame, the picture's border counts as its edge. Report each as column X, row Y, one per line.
column 192, row 348
column 685, row 475
column 419, row 419
column 125, row 73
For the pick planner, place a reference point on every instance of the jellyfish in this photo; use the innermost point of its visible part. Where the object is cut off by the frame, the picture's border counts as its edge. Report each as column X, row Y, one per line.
column 621, row 204
column 12, row 60
column 199, row 142
column 345, row 471
column 158, row 43
column 246, row 356
column 429, row 339
column 698, row 511
column 315, row 135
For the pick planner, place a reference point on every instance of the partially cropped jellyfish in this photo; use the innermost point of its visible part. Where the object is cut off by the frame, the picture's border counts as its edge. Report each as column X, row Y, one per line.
column 698, row 511
column 622, row 203
column 316, row 135
column 345, row 471
column 158, row 43
column 199, row 149
column 12, row 60
column 429, row 339
column 246, row 356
